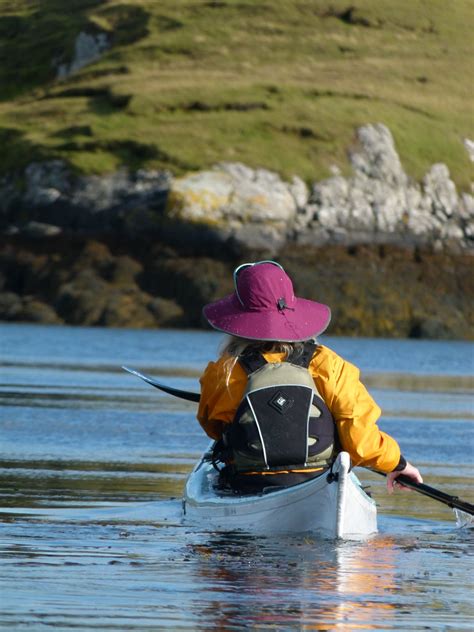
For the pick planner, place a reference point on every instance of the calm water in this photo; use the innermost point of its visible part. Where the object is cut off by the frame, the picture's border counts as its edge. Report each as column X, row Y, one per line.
column 93, row 463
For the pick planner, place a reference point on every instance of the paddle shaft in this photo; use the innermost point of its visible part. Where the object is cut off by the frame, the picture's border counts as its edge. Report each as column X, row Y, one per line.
column 452, row 501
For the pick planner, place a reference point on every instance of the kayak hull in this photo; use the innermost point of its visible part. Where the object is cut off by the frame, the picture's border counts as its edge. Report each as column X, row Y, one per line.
column 337, row 508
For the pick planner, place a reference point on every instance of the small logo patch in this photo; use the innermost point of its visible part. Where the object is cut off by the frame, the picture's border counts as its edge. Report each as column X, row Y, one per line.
column 281, row 402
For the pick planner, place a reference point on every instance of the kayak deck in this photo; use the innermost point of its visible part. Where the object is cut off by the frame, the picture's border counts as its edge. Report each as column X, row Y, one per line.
column 334, row 507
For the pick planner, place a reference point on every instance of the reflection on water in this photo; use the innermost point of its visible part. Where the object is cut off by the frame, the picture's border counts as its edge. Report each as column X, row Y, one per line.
column 135, row 576
column 306, row 583
column 92, row 467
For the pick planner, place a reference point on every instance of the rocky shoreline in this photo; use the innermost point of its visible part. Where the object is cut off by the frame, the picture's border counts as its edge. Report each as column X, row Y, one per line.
column 391, row 256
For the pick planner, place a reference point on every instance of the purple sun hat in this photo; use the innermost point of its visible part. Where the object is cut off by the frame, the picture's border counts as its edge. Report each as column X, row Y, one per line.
column 264, row 307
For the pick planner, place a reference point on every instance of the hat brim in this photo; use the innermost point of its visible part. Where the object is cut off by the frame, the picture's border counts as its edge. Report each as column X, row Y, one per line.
column 306, row 319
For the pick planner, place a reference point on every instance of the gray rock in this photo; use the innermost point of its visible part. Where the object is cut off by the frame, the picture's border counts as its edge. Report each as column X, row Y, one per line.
column 440, row 192
column 299, row 191
column 469, row 145
column 380, row 204
column 466, row 207
column 369, row 203
column 329, row 201
column 46, row 182
column 88, row 48
column 377, row 157
column 38, row 230
column 234, row 206
column 121, row 202
column 11, row 230
column 467, row 216
column 423, row 225
column 121, row 189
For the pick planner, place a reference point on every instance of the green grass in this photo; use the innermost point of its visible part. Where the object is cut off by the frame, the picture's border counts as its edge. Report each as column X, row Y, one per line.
column 279, row 84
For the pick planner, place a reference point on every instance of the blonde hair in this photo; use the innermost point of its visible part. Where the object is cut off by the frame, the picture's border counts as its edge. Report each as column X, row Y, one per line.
column 232, row 346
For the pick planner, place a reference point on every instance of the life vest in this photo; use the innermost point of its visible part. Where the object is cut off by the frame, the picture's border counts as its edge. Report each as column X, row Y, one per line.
column 282, row 423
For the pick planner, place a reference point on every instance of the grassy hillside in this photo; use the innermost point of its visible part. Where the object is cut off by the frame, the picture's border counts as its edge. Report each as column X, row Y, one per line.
column 280, row 84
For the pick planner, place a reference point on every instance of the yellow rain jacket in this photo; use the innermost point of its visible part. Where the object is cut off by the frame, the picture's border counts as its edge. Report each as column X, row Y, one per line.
column 355, row 412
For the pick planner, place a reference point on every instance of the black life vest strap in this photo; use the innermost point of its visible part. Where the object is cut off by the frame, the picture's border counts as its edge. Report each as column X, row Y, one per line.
column 304, row 358
column 254, row 360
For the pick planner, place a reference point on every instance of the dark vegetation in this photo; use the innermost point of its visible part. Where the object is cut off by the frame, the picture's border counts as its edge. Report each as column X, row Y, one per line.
column 373, row 291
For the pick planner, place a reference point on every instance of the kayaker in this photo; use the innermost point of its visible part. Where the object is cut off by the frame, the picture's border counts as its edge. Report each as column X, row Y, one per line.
column 267, row 324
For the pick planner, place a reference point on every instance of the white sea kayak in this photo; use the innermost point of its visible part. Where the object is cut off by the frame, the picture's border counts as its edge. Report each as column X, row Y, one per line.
column 332, row 507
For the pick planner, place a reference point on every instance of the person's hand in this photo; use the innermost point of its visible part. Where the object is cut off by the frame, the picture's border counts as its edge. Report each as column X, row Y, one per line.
column 410, row 471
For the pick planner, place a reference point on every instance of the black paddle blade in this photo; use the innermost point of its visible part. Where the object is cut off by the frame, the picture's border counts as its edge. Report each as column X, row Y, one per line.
column 188, row 395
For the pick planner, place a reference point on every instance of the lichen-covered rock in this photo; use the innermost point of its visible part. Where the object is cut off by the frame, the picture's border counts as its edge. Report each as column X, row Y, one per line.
column 200, row 197
column 247, row 208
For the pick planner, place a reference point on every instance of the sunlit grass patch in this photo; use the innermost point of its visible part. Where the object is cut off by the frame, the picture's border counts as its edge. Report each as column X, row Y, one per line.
column 281, row 85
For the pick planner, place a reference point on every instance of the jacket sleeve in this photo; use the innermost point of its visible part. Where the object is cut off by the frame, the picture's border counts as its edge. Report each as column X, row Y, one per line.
column 219, row 399
column 355, row 414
